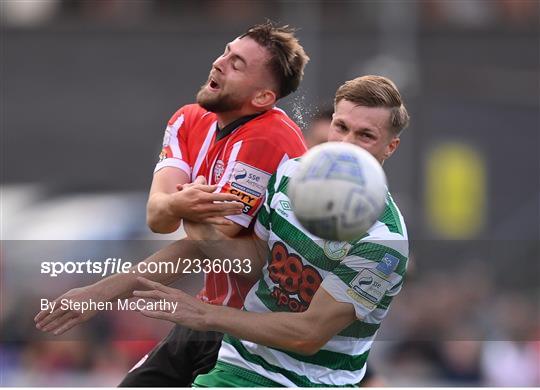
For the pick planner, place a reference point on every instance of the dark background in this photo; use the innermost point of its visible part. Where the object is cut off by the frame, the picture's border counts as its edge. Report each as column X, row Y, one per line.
column 87, row 89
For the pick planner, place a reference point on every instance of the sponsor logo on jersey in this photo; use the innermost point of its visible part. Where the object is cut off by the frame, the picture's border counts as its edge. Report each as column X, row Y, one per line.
column 245, row 189
column 249, row 179
column 283, row 207
column 219, row 168
column 388, row 264
column 336, row 250
column 370, row 286
column 296, row 282
column 241, row 174
column 250, row 201
column 358, row 298
column 285, row 204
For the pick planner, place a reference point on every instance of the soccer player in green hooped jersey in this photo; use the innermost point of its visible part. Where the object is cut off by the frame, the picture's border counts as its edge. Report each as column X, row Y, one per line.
column 311, row 318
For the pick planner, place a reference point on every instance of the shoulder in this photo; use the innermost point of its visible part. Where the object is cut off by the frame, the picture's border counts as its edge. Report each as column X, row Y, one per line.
column 277, row 120
column 277, row 129
column 391, row 222
column 287, row 169
column 195, row 110
column 280, row 178
column 387, row 234
column 191, row 113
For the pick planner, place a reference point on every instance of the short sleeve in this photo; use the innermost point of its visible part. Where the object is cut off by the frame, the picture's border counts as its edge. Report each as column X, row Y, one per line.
column 367, row 278
column 174, row 152
column 262, row 225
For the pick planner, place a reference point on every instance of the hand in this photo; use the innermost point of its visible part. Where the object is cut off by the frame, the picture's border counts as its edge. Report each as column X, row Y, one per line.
column 59, row 321
column 189, row 312
column 197, row 202
column 198, row 180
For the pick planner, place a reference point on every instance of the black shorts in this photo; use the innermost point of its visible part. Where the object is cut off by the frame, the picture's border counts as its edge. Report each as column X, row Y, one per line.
column 176, row 360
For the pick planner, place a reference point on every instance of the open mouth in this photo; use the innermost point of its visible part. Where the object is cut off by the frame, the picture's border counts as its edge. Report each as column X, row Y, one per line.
column 213, row 85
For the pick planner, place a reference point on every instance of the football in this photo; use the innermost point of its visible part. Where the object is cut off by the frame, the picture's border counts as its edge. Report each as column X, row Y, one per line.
column 338, row 191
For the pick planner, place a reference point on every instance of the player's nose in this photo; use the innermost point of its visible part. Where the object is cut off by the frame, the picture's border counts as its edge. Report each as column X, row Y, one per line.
column 218, row 64
column 340, row 138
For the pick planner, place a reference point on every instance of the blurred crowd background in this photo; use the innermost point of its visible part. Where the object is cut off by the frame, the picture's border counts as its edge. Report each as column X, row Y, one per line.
column 87, row 89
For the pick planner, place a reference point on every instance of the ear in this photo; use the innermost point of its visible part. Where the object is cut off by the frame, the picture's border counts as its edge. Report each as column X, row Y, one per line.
column 391, row 147
column 264, row 98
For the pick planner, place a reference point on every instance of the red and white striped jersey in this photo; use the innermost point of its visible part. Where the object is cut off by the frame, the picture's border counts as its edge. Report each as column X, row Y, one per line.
column 240, row 159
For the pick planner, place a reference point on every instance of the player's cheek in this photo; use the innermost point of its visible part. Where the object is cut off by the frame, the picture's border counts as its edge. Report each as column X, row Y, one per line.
column 333, row 135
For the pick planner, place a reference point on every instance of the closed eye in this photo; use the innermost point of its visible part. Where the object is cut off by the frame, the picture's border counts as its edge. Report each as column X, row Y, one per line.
column 341, row 127
column 367, row 135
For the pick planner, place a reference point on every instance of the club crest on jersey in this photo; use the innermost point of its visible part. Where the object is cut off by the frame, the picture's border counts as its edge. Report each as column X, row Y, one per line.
column 219, row 168
column 165, row 153
column 336, row 250
column 162, row 156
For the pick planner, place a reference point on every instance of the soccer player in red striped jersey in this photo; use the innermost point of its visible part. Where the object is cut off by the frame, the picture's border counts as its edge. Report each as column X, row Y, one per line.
column 238, row 159
column 221, row 153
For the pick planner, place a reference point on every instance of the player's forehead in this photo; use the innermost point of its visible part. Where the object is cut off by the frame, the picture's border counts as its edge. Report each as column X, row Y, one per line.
column 250, row 50
column 357, row 117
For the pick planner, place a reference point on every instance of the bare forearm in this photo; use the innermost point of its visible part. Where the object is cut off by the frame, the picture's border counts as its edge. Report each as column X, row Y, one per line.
column 122, row 285
column 159, row 215
column 216, row 244
column 304, row 333
column 287, row 331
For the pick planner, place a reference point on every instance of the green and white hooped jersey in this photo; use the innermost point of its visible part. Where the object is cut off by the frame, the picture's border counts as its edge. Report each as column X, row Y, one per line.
column 367, row 273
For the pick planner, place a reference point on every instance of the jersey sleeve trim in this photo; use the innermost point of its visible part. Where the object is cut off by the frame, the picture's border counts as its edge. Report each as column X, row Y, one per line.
column 331, row 285
column 263, row 215
column 172, row 132
column 241, row 219
column 174, row 163
column 204, row 150
column 262, row 232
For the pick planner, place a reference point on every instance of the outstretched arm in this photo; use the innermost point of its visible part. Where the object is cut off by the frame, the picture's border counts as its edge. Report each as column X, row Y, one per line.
column 216, row 244
column 116, row 286
column 303, row 333
column 122, row 285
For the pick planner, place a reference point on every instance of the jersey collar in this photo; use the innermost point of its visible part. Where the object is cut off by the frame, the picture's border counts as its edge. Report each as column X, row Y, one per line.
column 222, row 133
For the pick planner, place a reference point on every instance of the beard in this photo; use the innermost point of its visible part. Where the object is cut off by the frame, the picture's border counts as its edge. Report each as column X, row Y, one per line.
column 218, row 102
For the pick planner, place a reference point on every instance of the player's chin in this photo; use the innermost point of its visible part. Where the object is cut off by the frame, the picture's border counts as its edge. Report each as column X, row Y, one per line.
column 208, row 95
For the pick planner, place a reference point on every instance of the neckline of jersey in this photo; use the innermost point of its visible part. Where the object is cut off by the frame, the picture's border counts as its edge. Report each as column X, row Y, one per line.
column 222, row 133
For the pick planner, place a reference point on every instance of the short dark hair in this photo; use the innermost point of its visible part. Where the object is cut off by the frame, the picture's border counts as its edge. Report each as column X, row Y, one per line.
column 376, row 91
column 287, row 56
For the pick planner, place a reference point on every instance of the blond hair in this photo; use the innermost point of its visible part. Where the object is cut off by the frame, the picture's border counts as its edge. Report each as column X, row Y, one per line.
column 376, row 91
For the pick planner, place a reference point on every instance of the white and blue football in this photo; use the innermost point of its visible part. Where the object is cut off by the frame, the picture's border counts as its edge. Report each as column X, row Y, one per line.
column 338, row 191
